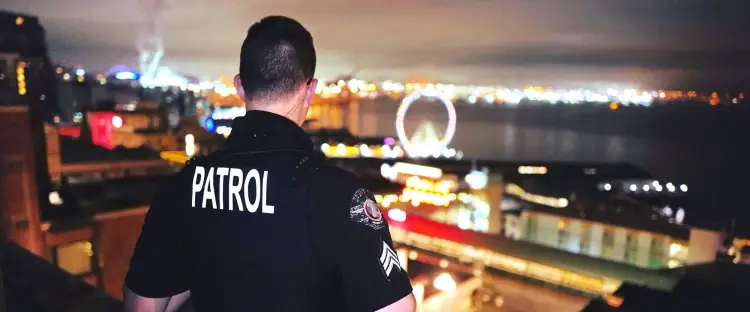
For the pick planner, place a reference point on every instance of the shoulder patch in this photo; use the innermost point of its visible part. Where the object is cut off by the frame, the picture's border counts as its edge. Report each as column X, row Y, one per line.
column 364, row 209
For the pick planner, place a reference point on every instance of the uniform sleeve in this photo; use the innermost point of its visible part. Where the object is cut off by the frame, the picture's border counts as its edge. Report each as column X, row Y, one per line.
column 370, row 271
column 156, row 267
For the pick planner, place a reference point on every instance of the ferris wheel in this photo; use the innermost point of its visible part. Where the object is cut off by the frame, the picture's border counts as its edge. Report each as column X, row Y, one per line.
column 450, row 130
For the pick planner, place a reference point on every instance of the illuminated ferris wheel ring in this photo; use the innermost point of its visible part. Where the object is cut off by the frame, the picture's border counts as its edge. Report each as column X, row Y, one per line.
column 450, row 131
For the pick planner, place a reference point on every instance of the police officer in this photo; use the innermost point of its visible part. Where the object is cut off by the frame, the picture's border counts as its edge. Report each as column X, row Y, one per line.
column 264, row 224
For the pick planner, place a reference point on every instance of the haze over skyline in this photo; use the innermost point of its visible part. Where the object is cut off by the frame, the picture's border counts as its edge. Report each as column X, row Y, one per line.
column 638, row 43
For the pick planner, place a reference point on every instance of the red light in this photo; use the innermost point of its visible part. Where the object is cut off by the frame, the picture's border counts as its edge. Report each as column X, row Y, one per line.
column 117, row 121
column 70, row 131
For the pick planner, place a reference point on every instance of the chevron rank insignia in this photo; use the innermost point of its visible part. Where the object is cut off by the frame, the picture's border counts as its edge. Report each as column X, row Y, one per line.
column 388, row 260
column 365, row 210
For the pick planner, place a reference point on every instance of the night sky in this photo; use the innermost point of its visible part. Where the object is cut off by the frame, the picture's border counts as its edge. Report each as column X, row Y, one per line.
column 638, row 43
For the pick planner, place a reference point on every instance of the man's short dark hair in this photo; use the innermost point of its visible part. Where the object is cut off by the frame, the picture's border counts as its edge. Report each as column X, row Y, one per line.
column 277, row 57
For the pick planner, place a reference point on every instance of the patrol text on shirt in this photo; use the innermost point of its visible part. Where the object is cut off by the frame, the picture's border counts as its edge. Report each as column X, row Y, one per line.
column 238, row 186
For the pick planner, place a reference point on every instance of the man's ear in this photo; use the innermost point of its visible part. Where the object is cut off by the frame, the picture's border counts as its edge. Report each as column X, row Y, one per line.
column 311, row 91
column 238, row 87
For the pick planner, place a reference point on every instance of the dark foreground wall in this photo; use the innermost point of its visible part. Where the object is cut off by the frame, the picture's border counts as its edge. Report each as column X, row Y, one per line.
column 33, row 284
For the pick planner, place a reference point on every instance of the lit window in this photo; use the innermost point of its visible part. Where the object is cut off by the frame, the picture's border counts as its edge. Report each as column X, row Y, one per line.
column 657, row 253
column 631, row 249
column 562, row 234
column 608, row 243
column 530, row 229
column 75, row 258
column 585, row 239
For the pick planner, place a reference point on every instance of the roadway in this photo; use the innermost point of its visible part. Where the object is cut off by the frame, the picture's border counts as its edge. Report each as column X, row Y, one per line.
column 514, row 294
column 520, row 296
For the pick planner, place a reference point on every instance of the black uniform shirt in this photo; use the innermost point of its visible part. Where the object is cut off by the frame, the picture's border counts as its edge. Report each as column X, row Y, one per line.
column 264, row 226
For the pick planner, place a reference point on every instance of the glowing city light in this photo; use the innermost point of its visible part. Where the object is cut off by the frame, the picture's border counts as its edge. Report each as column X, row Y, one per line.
column 126, row 76
column 532, row 170
column 397, row 215
column 404, row 107
column 477, row 179
column 117, row 121
column 553, row 202
column 209, row 124
column 679, row 216
column 223, row 130
column 667, row 211
column 417, row 197
column 55, row 199
column 362, row 150
column 163, row 77
column 444, row 282
column 21, row 78
column 391, row 172
column 190, row 145
column 442, row 186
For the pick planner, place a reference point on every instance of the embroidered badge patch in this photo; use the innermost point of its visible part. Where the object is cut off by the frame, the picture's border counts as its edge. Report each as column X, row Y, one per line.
column 365, row 210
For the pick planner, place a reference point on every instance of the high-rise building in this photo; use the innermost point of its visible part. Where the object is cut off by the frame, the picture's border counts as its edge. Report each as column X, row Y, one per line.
column 26, row 74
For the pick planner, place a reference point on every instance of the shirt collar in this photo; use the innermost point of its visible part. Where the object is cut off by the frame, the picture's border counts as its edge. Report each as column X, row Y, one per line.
column 260, row 130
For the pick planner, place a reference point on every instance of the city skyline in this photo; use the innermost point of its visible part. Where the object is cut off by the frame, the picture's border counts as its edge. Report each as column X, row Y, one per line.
column 549, row 155
column 629, row 43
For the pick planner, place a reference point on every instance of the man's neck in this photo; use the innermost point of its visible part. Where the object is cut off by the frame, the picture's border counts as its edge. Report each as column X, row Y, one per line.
column 275, row 109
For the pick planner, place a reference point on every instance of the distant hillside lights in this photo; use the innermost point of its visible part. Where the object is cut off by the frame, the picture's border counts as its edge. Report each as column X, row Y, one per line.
column 377, row 151
column 472, row 94
column 362, row 150
column 488, row 94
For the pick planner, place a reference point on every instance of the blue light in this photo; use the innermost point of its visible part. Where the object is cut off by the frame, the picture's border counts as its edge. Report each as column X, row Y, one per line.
column 209, row 124
column 126, row 76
